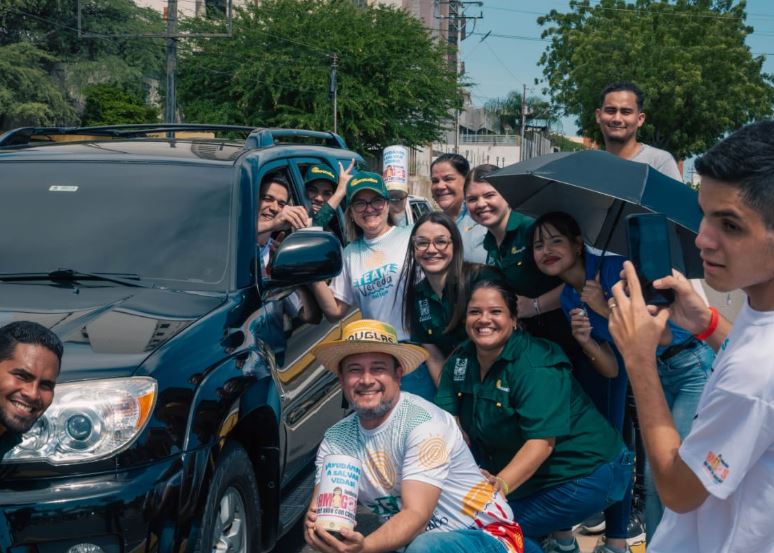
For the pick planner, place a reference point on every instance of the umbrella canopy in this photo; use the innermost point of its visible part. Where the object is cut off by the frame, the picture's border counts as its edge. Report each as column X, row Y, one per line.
column 600, row 190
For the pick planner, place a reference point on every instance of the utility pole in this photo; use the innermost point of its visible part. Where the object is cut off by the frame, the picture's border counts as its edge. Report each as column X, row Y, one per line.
column 523, row 122
column 332, row 91
column 170, row 111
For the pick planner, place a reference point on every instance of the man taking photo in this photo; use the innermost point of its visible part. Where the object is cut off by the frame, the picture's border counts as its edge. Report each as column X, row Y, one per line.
column 718, row 484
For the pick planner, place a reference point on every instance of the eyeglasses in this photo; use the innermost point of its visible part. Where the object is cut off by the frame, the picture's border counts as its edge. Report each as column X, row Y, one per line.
column 395, row 199
column 440, row 243
column 378, row 203
column 269, row 199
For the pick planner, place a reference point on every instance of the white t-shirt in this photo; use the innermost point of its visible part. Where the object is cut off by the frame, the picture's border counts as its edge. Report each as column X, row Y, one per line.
column 731, row 449
column 420, row 441
column 369, row 279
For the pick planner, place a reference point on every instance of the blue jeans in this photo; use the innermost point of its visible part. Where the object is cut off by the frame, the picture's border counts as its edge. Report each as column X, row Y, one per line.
column 570, row 503
column 682, row 377
column 609, row 397
column 419, row 382
column 456, row 541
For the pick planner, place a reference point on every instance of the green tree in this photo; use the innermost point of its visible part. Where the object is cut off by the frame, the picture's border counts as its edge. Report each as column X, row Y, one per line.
column 507, row 110
column 49, row 28
column 394, row 83
column 689, row 57
column 111, row 104
column 28, row 94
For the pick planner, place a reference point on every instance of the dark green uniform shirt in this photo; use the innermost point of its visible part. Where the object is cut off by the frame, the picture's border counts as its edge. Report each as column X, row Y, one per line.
column 514, row 258
column 323, row 217
column 528, row 393
column 431, row 314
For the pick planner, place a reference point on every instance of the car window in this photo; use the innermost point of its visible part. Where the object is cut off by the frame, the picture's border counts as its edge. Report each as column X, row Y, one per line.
column 167, row 223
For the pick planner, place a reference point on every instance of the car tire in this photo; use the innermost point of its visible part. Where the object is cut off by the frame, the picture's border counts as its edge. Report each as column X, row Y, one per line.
column 232, row 514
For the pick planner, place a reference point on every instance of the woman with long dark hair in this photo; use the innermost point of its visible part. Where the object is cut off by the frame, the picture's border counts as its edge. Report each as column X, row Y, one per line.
column 434, row 308
column 684, row 363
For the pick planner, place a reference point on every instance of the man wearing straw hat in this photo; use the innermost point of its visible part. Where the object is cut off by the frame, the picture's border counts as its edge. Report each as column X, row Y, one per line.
column 417, row 474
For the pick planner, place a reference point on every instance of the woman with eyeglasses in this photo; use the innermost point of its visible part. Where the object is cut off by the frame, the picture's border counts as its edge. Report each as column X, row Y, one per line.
column 434, row 308
column 373, row 261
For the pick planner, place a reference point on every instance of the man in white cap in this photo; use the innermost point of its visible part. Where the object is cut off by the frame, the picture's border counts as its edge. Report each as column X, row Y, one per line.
column 418, row 475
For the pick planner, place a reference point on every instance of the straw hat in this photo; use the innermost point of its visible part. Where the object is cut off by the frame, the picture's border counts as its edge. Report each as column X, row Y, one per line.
column 369, row 336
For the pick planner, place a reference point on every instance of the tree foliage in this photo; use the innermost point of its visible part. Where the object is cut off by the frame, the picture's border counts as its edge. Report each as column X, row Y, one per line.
column 112, row 104
column 394, row 83
column 40, row 37
column 689, row 57
column 29, row 96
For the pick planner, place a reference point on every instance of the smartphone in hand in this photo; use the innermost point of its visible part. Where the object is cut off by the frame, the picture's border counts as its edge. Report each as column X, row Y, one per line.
column 649, row 251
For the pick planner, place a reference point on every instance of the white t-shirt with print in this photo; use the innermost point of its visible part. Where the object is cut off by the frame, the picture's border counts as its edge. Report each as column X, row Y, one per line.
column 731, row 449
column 369, row 279
column 419, row 441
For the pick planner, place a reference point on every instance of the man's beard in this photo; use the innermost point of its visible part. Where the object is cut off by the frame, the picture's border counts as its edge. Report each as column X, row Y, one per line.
column 369, row 413
column 12, row 424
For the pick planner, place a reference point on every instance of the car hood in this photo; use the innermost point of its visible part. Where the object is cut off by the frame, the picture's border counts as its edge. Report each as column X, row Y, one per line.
column 107, row 331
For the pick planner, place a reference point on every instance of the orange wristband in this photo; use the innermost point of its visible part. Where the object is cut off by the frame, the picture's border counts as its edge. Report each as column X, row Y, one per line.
column 711, row 327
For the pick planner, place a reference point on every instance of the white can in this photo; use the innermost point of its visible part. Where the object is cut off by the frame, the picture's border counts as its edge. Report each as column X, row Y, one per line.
column 337, row 494
column 395, row 162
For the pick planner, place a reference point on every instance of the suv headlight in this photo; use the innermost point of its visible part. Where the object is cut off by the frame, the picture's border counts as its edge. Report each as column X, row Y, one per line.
column 88, row 420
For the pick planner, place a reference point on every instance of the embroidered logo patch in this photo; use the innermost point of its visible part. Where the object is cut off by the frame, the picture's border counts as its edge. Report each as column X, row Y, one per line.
column 460, row 368
column 424, row 311
column 716, row 467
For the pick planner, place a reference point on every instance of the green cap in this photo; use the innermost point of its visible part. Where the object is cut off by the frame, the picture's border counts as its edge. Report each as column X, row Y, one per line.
column 321, row 172
column 366, row 181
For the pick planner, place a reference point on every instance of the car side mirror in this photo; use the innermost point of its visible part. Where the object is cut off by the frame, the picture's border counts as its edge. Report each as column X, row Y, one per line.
column 305, row 256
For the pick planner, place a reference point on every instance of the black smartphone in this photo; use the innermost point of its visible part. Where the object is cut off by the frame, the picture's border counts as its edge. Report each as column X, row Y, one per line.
column 649, row 250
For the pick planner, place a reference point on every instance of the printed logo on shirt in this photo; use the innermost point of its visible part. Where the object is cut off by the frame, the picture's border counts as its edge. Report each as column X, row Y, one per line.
column 499, row 386
column 716, row 467
column 460, row 368
column 515, row 250
column 724, row 345
column 433, row 452
column 424, row 311
column 376, row 282
column 380, row 468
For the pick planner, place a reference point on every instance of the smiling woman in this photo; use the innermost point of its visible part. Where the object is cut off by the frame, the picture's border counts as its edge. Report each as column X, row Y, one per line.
column 373, row 261
column 528, row 421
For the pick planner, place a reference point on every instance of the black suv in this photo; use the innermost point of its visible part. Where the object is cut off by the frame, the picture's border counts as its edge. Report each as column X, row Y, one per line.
column 188, row 410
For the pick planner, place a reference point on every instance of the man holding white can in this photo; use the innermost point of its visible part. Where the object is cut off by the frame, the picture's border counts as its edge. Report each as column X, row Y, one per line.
column 409, row 460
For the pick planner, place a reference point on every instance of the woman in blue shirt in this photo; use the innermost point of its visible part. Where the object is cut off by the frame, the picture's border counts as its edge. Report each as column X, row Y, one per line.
column 684, row 362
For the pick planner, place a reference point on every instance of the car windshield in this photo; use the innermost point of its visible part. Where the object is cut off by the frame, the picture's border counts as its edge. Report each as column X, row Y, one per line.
column 166, row 223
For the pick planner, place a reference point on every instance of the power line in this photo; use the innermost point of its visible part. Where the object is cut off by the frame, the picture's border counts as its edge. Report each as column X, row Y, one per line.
column 672, row 12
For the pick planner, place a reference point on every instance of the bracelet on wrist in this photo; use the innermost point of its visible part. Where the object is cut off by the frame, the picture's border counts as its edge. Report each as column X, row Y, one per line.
column 711, row 327
column 536, row 305
column 503, row 485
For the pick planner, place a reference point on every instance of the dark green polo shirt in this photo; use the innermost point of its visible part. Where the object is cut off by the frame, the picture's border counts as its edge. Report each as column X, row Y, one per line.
column 528, row 393
column 431, row 313
column 514, row 258
column 323, row 217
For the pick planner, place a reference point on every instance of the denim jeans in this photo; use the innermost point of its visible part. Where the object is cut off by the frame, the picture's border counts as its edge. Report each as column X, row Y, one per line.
column 682, row 377
column 456, row 541
column 419, row 382
column 609, row 397
column 572, row 502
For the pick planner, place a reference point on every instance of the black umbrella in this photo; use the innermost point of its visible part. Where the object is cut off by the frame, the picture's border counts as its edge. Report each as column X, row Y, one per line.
column 600, row 190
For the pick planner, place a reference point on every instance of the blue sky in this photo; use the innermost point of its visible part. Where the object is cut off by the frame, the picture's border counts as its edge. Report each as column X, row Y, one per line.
column 498, row 65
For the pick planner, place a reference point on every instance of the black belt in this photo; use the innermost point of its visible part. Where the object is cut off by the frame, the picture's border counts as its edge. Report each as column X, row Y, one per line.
column 671, row 351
